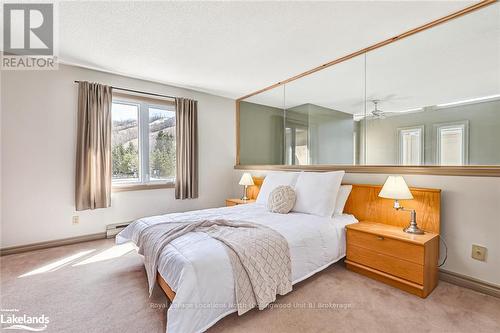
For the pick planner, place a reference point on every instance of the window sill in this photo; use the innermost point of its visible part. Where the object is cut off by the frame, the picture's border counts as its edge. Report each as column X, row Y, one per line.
column 140, row 187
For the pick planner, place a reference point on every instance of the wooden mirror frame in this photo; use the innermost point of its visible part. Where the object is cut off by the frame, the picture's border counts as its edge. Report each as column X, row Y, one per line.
column 479, row 170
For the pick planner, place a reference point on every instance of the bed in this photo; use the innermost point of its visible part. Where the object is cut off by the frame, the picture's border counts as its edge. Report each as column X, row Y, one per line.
column 186, row 272
column 194, row 270
column 199, row 302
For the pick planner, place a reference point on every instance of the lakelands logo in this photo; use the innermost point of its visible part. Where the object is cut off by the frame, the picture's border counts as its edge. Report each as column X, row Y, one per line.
column 28, row 36
column 11, row 319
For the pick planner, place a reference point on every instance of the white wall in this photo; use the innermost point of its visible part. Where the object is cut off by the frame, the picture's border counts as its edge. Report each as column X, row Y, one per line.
column 38, row 134
column 470, row 214
column 38, row 126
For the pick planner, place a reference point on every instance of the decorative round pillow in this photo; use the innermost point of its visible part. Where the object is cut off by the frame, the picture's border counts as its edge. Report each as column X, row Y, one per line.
column 281, row 200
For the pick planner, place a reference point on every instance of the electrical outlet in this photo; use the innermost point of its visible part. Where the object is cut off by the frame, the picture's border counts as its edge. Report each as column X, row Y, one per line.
column 479, row 252
column 76, row 219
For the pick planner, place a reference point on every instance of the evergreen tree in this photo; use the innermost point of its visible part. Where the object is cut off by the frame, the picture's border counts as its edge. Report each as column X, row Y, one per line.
column 163, row 156
column 125, row 160
column 117, row 154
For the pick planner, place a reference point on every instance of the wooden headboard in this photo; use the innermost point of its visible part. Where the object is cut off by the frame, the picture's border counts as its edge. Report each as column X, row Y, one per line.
column 253, row 190
column 365, row 204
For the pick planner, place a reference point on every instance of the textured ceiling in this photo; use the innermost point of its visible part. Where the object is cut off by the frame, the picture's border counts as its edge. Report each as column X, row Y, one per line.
column 229, row 48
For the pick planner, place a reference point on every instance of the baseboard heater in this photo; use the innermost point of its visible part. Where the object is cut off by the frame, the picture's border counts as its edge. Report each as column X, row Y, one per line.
column 113, row 229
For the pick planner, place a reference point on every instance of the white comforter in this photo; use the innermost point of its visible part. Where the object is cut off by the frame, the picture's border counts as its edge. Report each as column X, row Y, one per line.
column 198, row 270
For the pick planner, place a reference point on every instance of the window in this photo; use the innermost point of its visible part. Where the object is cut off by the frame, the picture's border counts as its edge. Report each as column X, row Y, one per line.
column 161, row 144
column 411, row 145
column 124, row 142
column 452, row 143
column 142, row 141
column 296, row 146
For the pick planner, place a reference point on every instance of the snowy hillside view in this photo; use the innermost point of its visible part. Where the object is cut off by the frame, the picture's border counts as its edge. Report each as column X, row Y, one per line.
column 125, row 143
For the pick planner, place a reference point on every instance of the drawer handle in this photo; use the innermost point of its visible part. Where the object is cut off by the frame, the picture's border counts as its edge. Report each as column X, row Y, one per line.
column 380, row 238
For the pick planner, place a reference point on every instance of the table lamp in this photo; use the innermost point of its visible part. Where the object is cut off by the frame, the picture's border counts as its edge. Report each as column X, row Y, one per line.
column 246, row 180
column 395, row 188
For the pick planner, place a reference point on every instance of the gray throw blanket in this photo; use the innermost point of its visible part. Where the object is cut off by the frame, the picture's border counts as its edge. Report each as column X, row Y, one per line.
column 260, row 257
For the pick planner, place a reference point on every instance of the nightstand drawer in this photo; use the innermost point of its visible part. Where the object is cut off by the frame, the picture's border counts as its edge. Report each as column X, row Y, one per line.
column 401, row 268
column 388, row 246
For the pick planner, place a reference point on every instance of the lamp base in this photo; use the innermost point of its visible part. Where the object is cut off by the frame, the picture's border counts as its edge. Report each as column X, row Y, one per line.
column 413, row 229
column 245, row 198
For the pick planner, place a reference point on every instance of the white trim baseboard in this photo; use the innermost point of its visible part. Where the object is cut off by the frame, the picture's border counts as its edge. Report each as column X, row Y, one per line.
column 53, row 243
column 470, row 283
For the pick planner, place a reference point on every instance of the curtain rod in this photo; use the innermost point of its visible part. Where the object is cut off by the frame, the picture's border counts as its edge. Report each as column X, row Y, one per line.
column 139, row 92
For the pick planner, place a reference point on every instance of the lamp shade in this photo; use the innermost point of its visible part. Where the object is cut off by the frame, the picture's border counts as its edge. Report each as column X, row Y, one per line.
column 246, row 179
column 395, row 188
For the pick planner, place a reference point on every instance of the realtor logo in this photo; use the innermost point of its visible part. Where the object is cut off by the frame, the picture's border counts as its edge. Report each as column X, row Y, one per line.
column 12, row 319
column 28, row 29
column 28, row 36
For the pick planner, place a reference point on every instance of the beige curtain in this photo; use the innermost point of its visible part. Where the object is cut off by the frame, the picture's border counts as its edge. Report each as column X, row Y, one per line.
column 93, row 147
column 186, row 183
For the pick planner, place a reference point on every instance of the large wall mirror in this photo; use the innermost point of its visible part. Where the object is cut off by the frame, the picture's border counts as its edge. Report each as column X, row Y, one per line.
column 429, row 100
column 434, row 98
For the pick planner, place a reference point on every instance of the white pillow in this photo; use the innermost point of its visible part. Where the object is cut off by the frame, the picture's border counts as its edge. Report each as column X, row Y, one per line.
column 342, row 197
column 317, row 192
column 273, row 180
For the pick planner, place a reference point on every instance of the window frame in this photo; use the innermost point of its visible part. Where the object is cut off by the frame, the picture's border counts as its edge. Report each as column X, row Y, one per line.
column 293, row 142
column 144, row 103
column 464, row 124
column 400, row 131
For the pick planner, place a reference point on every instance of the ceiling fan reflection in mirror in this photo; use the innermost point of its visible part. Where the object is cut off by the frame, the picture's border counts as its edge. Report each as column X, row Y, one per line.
column 378, row 113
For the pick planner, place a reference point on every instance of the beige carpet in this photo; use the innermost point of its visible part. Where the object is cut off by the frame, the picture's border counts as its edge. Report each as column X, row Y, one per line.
column 97, row 287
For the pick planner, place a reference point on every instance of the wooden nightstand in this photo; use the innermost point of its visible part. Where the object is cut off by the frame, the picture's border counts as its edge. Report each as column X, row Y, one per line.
column 235, row 202
column 390, row 255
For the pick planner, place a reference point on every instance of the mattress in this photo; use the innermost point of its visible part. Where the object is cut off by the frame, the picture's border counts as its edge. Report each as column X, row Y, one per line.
column 198, row 270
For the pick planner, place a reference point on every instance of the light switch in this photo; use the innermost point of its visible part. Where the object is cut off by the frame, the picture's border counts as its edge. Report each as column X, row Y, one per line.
column 478, row 252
